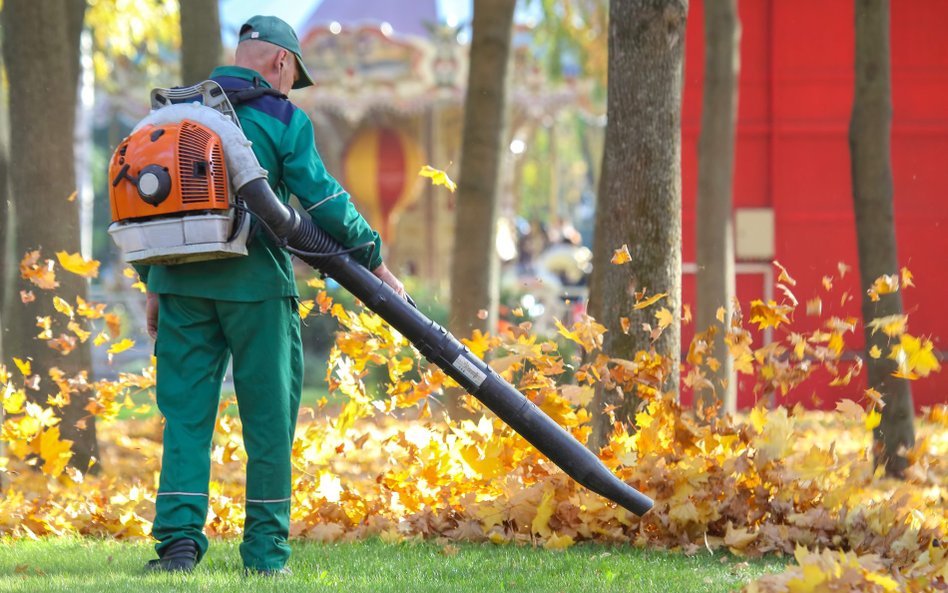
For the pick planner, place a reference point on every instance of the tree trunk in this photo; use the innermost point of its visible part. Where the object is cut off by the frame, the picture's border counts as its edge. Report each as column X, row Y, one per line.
column 41, row 51
column 200, row 40
column 475, row 266
column 714, row 229
column 640, row 191
column 869, row 145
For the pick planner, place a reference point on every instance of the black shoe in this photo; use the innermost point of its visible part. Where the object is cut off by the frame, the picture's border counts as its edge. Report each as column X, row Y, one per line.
column 180, row 556
column 269, row 572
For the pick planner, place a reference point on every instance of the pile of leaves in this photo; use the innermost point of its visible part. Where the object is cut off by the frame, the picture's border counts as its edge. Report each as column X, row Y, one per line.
column 387, row 462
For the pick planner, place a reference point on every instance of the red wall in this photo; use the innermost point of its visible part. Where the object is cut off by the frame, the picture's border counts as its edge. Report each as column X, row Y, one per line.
column 796, row 87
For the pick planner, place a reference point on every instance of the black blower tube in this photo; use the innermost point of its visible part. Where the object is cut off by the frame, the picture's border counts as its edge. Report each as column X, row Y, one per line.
column 440, row 347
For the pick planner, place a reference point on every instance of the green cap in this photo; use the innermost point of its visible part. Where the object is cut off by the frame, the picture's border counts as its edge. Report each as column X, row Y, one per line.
column 276, row 31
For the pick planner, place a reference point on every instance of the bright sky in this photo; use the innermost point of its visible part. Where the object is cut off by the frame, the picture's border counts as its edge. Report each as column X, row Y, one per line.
column 235, row 12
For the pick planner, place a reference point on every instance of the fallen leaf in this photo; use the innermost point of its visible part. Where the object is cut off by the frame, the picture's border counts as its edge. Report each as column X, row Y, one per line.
column 649, row 301
column 121, row 346
column 75, row 263
column 907, row 278
column 664, row 317
column 784, row 276
column 621, row 256
column 438, row 177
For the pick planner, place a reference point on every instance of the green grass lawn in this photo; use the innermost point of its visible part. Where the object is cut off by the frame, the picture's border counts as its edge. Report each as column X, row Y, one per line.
column 104, row 566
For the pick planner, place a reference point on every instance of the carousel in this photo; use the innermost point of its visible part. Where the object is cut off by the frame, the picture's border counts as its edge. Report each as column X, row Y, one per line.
column 388, row 99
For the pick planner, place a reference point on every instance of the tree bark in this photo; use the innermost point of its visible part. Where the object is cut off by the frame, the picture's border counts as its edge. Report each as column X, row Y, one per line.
column 201, row 46
column 869, row 144
column 714, row 243
column 475, row 266
column 41, row 51
column 640, row 191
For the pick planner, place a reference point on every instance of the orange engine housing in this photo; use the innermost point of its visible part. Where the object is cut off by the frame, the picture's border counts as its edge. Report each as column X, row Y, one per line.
column 170, row 169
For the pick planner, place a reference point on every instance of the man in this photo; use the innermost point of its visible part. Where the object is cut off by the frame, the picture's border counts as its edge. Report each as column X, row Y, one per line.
column 245, row 307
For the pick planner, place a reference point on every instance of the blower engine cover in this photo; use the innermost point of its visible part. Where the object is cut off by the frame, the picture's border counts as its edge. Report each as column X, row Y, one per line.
column 171, row 198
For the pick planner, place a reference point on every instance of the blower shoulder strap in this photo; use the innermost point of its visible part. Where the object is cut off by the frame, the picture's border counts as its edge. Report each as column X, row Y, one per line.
column 251, row 93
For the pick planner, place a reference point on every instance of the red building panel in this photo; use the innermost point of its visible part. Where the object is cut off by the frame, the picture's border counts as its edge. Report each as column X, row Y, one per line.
column 796, row 89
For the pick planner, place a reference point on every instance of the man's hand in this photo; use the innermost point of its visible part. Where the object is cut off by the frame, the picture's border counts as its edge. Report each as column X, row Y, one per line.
column 386, row 276
column 151, row 314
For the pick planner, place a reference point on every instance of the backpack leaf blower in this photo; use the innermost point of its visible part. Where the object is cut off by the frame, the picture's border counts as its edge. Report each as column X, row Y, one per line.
column 160, row 218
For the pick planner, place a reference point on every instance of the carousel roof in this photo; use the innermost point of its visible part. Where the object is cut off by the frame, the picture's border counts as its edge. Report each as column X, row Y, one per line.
column 406, row 18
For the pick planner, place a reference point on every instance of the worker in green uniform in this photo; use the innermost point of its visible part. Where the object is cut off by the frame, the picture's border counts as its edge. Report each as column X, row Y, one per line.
column 203, row 313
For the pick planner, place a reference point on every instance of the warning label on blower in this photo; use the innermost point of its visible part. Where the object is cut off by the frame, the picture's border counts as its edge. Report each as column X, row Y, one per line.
column 469, row 370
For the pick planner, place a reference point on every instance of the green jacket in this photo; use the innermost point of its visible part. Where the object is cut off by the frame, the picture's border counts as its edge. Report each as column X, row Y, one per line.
column 283, row 141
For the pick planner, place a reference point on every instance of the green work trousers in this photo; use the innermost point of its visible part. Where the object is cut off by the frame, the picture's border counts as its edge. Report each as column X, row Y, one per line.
column 196, row 337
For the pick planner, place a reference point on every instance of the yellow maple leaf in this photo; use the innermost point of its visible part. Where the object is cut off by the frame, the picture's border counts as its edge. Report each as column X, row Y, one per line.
column 45, row 324
column 914, row 357
column 907, row 278
column 891, row 325
column 540, row 523
column 558, row 542
column 776, row 437
column 649, row 301
column 873, row 419
column 23, row 365
column 885, row 284
column 121, row 346
column 621, row 255
column 438, row 177
column 75, row 263
column 885, row 581
column 13, row 401
column 82, row 334
column 89, row 310
column 56, row 453
column 875, row 352
column 684, row 513
column 306, row 307
column 769, row 314
column 665, row 318
column 479, row 342
column 738, row 539
column 686, row 313
column 720, row 314
column 63, row 307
